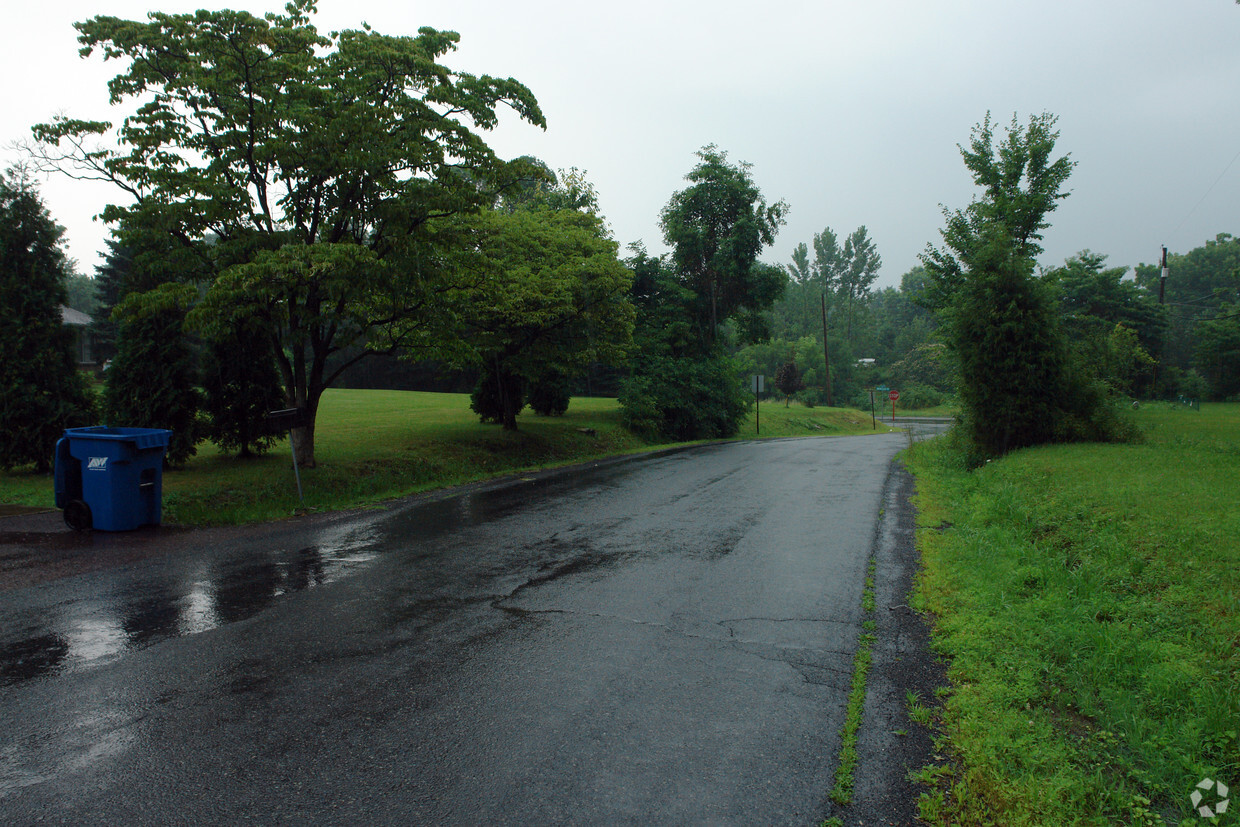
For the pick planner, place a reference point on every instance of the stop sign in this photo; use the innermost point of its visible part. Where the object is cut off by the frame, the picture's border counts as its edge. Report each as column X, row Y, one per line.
column 893, row 396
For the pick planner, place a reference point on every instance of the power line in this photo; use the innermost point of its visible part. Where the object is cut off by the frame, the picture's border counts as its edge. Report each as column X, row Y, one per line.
column 1207, row 193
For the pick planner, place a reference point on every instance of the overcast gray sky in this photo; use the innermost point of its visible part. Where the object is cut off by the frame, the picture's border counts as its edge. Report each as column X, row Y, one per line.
column 850, row 110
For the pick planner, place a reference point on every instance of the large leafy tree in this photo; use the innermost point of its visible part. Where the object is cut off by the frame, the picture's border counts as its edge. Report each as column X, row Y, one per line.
column 1093, row 296
column 682, row 385
column 674, row 390
column 549, row 298
column 41, row 390
column 716, row 228
column 1217, row 351
column 1095, row 302
column 1018, row 384
column 305, row 173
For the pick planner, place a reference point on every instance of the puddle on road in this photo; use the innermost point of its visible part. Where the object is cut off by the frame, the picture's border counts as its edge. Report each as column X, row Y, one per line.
column 221, row 589
column 193, row 600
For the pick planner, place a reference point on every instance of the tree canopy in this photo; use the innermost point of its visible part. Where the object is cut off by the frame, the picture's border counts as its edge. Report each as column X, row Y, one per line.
column 549, row 296
column 304, row 175
column 716, row 228
column 1019, row 383
column 1020, row 185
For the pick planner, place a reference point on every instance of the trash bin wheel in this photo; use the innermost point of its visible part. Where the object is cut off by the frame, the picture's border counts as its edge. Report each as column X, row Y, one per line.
column 77, row 515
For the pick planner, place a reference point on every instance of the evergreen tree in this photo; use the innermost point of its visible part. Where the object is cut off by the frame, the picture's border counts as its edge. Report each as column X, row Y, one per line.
column 499, row 395
column 110, row 276
column 153, row 381
column 1004, row 331
column 241, row 385
column 41, row 390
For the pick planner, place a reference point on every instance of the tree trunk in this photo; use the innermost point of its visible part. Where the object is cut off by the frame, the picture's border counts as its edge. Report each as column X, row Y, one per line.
column 302, row 439
column 303, row 445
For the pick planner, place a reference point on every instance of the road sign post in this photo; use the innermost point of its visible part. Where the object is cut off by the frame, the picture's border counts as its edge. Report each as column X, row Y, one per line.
column 893, row 396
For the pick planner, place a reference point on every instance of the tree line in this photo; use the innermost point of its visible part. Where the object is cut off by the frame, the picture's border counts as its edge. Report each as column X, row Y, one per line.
column 300, row 203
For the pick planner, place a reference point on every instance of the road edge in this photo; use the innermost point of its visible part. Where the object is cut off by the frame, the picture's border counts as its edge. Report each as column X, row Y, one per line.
column 889, row 745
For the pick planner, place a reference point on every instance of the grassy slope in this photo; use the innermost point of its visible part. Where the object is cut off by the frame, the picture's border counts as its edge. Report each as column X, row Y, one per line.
column 376, row 445
column 1087, row 596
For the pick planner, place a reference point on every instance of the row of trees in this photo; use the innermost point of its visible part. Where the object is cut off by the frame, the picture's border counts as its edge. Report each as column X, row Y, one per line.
column 311, row 201
column 1034, row 354
column 315, row 199
column 300, row 202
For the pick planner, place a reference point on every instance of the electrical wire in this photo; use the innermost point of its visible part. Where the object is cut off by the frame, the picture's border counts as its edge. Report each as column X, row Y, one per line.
column 1207, row 193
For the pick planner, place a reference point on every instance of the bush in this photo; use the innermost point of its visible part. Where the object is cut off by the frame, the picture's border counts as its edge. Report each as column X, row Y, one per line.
column 915, row 397
column 684, row 399
column 809, row 397
column 498, row 397
column 550, row 395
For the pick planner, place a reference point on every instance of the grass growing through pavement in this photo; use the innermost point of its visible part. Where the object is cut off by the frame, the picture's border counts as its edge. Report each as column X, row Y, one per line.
column 845, row 770
column 1087, row 596
column 376, row 445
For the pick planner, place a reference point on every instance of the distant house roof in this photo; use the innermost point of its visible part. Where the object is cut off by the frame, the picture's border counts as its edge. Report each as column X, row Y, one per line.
column 76, row 318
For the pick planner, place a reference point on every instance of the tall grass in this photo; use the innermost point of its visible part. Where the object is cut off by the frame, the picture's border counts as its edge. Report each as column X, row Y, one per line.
column 1087, row 596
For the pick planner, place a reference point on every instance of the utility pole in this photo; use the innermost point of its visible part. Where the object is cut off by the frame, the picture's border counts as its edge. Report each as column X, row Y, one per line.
column 1162, row 281
column 826, row 356
column 1162, row 298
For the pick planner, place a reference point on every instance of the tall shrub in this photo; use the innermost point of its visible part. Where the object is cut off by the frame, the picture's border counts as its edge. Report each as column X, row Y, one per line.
column 684, row 399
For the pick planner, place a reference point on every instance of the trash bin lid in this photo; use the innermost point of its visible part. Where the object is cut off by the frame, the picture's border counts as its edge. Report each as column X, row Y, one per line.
column 142, row 438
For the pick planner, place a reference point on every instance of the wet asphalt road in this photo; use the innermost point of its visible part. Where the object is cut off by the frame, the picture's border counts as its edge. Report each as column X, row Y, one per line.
column 658, row 640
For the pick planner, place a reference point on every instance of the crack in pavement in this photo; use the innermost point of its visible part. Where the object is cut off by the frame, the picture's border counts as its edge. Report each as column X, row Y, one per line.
column 746, row 646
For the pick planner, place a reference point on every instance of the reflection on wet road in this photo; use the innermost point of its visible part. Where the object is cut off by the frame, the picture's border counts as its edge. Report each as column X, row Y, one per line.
column 664, row 638
column 146, row 610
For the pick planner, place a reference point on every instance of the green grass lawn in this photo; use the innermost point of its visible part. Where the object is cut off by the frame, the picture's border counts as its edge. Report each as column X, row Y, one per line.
column 1087, row 597
column 376, row 445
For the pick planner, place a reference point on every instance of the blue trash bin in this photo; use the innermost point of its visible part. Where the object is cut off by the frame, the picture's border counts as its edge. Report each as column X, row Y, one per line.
column 110, row 478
